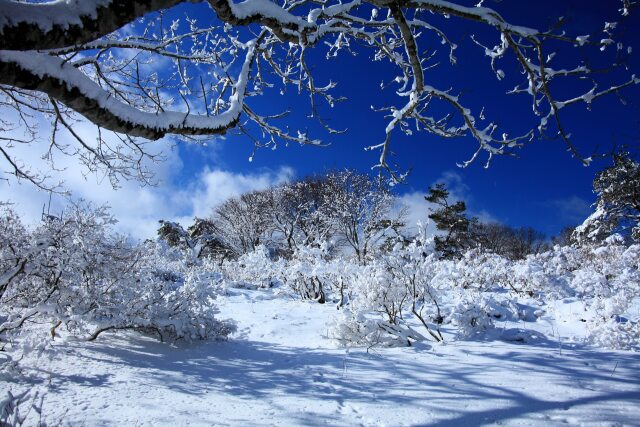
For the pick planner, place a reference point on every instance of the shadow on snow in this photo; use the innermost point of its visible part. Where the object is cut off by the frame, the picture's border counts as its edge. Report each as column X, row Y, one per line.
column 426, row 382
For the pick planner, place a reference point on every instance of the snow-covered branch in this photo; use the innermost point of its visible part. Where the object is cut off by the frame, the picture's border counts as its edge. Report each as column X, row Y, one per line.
column 60, row 23
column 143, row 74
column 64, row 82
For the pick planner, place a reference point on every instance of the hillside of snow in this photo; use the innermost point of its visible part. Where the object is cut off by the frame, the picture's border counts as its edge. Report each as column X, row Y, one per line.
column 280, row 368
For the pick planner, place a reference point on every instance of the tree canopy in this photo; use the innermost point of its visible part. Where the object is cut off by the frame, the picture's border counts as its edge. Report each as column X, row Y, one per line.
column 132, row 68
column 617, row 208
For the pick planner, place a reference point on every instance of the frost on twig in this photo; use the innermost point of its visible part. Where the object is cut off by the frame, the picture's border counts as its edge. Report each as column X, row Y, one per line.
column 136, row 69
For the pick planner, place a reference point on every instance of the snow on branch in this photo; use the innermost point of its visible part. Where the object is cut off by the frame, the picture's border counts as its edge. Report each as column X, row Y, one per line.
column 143, row 74
column 64, row 82
column 60, row 23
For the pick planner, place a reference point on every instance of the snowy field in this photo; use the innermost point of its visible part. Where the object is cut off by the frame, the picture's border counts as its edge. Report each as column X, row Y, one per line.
column 280, row 369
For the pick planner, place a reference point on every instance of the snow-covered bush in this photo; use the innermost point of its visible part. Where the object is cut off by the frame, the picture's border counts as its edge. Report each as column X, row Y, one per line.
column 357, row 329
column 410, row 286
column 482, row 270
column 528, row 277
column 377, row 290
column 255, row 269
column 605, row 278
column 609, row 325
column 413, row 268
column 309, row 273
column 398, row 281
column 373, row 316
column 13, row 247
column 173, row 295
column 78, row 274
column 471, row 315
column 616, row 333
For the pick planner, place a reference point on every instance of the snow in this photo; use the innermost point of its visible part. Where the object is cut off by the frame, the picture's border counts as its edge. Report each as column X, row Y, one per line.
column 280, row 369
column 62, row 13
column 265, row 8
column 61, row 70
column 582, row 39
column 485, row 14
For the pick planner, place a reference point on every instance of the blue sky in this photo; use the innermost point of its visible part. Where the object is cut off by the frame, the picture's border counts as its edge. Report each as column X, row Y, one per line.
column 545, row 187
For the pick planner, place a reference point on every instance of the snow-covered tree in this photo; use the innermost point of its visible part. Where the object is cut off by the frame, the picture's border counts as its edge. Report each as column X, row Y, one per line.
column 76, row 273
column 174, row 234
column 244, row 222
column 618, row 205
column 143, row 70
column 14, row 244
column 254, row 269
column 316, row 223
column 208, row 240
column 360, row 208
column 201, row 239
column 298, row 213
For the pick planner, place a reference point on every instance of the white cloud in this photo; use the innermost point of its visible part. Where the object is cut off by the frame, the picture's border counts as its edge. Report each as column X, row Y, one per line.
column 137, row 208
column 458, row 189
column 416, row 210
column 215, row 186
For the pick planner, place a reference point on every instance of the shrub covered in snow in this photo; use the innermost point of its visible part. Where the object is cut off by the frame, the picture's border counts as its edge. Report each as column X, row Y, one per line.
column 255, row 269
column 410, row 286
column 357, row 329
column 310, row 273
column 472, row 315
column 75, row 272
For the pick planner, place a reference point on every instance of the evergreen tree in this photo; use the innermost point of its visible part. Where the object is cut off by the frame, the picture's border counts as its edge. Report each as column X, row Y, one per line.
column 451, row 219
column 618, row 203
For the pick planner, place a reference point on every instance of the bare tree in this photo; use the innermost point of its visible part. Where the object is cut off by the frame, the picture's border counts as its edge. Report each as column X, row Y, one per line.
column 302, row 212
column 510, row 242
column 244, row 222
column 564, row 238
column 361, row 209
column 290, row 206
column 130, row 68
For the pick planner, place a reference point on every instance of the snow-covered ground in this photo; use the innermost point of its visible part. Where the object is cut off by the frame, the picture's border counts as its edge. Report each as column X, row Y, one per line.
column 281, row 369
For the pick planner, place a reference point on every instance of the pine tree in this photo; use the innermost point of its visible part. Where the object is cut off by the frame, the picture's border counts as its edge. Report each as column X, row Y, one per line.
column 618, row 203
column 451, row 219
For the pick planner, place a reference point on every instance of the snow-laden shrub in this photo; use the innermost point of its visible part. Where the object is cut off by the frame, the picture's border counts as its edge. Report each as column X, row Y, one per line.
column 606, row 279
column 310, row 273
column 85, row 279
column 13, row 246
column 356, row 329
column 390, row 285
column 480, row 270
column 615, row 333
column 608, row 272
column 528, row 277
column 373, row 314
column 255, row 269
column 413, row 268
column 472, row 315
column 172, row 295
column 609, row 325
column 479, row 289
